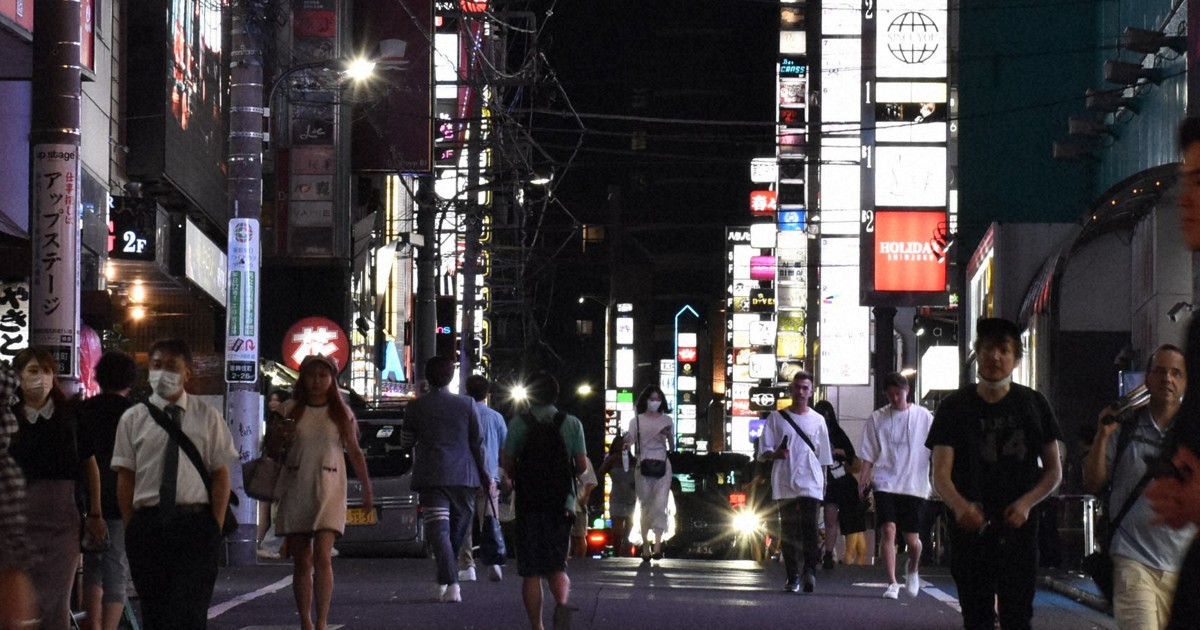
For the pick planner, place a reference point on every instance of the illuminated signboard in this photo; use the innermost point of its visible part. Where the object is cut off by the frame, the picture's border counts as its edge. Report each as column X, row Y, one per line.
column 789, row 220
column 909, row 256
column 762, row 365
column 910, row 176
column 762, row 235
column 624, row 327
column 792, row 67
column 762, row 268
column 687, row 339
column 764, row 170
column 624, row 367
column 687, row 383
column 762, row 203
column 762, row 332
column 911, row 39
column 687, row 355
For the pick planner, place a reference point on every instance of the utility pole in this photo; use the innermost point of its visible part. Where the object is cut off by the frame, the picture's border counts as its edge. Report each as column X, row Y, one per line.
column 54, row 209
column 425, row 323
column 243, row 404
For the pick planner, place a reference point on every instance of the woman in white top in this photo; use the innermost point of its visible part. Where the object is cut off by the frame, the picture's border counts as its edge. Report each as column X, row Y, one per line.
column 653, row 433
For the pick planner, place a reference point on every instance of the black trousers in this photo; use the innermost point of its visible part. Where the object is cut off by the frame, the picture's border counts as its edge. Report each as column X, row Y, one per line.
column 801, row 535
column 173, row 563
column 995, row 569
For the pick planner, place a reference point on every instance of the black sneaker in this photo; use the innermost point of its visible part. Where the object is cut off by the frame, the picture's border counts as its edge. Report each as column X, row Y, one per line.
column 810, row 581
column 827, row 561
column 792, row 585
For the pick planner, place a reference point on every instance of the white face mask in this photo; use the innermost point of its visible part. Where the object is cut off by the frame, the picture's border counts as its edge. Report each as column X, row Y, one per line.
column 1000, row 384
column 166, row 384
column 36, row 386
column 653, row 405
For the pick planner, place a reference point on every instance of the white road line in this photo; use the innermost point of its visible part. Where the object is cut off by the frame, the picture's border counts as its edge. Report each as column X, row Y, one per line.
column 225, row 607
column 941, row 596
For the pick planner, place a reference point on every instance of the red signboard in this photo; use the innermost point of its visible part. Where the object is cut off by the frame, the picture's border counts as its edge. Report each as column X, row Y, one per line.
column 315, row 335
column 762, row 203
column 909, row 251
column 687, row 355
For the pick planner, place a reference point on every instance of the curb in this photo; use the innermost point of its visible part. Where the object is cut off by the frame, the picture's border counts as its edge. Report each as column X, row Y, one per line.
column 1084, row 596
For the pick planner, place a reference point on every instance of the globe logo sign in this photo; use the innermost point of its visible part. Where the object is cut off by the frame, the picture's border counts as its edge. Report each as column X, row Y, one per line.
column 912, row 37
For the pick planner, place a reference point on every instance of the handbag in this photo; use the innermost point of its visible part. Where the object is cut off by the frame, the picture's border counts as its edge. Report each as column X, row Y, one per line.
column 654, row 468
column 491, row 540
column 185, row 444
column 261, row 478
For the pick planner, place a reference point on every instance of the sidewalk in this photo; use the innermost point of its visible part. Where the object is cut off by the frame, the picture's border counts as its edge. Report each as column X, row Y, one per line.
column 1075, row 585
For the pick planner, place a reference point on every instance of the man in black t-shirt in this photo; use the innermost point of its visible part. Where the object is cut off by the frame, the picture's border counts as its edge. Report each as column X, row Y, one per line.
column 995, row 457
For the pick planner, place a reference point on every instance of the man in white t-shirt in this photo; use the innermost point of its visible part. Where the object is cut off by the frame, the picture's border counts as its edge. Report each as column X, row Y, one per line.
column 797, row 439
column 896, row 461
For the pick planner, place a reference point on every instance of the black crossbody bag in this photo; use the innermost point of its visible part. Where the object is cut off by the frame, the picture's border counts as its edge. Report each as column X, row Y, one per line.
column 787, row 416
column 189, row 449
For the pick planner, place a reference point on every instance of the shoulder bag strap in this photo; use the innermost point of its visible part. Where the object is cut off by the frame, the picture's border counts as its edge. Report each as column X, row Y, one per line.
column 787, row 416
column 189, row 448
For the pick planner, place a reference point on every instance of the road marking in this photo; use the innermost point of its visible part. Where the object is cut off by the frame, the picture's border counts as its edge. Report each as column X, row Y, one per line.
column 934, row 592
column 225, row 607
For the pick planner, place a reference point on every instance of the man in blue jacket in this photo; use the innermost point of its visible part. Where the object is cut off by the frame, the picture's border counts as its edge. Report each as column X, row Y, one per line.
column 443, row 430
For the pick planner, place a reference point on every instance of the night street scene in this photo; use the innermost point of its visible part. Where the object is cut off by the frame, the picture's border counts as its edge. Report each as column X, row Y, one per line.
column 556, row 314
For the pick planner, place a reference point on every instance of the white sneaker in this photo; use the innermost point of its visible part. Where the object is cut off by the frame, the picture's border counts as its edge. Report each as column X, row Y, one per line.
column 892, row 592
column 912, row 584
column 495, row 574
column 451, row 594
column 467, row 575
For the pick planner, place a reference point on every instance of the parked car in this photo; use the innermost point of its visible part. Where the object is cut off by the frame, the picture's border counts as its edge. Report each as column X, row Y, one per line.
column 394, row 526
column 716, row 516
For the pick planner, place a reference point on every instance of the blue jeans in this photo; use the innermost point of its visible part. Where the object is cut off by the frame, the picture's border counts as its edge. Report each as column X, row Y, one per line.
column 447, row 512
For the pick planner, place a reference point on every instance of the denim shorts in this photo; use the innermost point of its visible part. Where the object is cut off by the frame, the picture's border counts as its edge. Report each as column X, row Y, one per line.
column 109, row 569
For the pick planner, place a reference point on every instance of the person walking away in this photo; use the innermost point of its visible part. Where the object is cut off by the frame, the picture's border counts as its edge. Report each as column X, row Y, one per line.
column 651, row 434
column 493, row 432
column 172, row 522
column 312, row 506
column 896, row 463
column 797, row 440
column 852, row 518
column 53, row 456
column 18, row 603
column 106, row 573
column 622, row 498
column 269, row 542
column 584, row 484
column 545, row 450
column 995, row 457
column 1145, row 555
column 1175, row 494
column 448, row 467
column 841, row 489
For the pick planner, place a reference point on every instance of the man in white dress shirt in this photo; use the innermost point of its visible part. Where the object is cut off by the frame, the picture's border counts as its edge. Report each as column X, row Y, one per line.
column 172, row 524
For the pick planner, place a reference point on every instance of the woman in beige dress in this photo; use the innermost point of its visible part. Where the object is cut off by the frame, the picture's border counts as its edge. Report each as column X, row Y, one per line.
column 312, row 507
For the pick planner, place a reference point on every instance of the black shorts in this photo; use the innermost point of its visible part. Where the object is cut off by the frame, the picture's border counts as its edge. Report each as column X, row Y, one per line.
column 542, row 540
column 902, row 509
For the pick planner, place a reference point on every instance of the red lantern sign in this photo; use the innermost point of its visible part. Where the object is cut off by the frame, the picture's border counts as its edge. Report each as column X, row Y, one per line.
column 687, row 355
column 315, row 335
column 762, row 203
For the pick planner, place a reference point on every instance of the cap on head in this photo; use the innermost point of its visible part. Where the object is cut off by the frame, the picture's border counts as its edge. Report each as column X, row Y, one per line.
column 328, row 361
column 992, row 330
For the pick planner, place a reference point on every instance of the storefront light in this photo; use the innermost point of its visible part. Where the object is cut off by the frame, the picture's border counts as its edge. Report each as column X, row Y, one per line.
column 137, row 293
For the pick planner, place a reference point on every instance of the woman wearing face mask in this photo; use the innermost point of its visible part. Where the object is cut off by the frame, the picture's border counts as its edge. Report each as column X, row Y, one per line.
column 48, row 449
column 652, row 433
column 312, row 508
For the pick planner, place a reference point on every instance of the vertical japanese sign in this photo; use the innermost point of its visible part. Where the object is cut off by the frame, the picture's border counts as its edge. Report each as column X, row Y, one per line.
column 55, row 278
column 241, row 339
column 14, row 319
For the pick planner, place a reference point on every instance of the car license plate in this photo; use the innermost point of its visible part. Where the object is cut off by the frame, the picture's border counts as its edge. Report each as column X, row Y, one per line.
column 359, row 516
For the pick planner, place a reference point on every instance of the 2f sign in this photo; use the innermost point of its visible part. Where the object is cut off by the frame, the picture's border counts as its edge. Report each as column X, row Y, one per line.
column 131, row 243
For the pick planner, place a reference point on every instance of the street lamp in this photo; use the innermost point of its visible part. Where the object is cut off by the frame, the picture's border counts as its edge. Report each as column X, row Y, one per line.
column 357, row 69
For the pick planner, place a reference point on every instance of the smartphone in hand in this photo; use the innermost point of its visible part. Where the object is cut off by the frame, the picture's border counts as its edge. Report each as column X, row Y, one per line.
column 783, row 443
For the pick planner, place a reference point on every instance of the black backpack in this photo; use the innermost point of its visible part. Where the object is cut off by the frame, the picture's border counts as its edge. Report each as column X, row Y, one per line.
column 544, row 476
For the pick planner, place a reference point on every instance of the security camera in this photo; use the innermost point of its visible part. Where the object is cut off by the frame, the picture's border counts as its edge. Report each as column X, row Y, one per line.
column 1179, row 307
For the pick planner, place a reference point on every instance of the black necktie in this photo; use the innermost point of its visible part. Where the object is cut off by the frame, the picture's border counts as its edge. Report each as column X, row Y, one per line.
column 170, row 475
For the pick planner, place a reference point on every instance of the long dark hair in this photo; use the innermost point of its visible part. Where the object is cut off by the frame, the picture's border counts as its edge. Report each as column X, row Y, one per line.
column 645, row 395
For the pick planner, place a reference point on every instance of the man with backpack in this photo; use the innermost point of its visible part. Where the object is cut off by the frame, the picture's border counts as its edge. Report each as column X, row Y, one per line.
column 545, row 450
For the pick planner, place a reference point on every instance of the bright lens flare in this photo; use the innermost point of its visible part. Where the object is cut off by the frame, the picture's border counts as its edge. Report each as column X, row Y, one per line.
column 519, row 393
column 360, row 69
column 746, row 522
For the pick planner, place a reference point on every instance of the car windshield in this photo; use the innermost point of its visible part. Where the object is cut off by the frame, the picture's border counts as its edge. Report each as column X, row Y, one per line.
column 709, row 472
column 379, row 438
